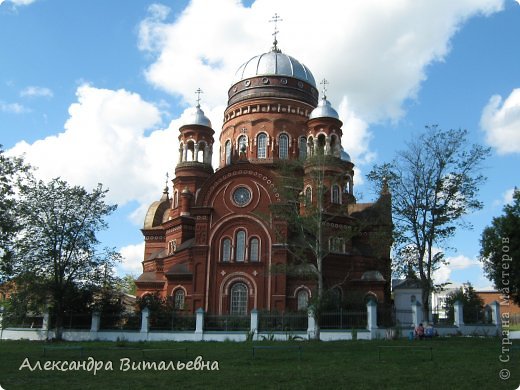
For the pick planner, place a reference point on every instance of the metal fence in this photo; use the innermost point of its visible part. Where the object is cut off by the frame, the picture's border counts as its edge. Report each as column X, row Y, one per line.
column 172, row 321
column 226, row 322
column 30, row 322
column 127, row 321
column 74, row 321
column 386, row 316
column 344, row 319
column 273, row 321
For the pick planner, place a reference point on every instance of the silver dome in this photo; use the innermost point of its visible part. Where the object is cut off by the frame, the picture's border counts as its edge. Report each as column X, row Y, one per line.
column 344, row 155
column 197, row 118
column 274, row 63
column 324, row 110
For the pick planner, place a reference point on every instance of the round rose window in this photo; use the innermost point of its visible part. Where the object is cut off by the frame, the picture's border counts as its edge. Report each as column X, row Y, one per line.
column 242, row 196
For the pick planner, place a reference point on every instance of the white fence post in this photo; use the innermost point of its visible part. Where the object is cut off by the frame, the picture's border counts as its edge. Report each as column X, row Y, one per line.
column 372, row 317
column 199, row 322
column 417, row 314
column 495, row 314
column 145, row 313
column 254, row 322
column 96, row 320
column 311, row 325
column 459, row 314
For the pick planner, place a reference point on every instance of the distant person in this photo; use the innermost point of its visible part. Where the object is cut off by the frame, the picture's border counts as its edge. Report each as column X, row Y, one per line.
column 419, row 332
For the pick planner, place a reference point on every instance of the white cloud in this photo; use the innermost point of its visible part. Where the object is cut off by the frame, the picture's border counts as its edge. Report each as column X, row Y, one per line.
column 22, row 2
column 132, row 258
column 460, row 262
column 14, row 108
column 374, row 53
column 501, row 122
column 103, row 141
column 107, row 139
column 34, row 91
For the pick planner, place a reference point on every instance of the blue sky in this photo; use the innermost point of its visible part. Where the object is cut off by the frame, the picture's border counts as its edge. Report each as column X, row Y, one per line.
column 95, row 91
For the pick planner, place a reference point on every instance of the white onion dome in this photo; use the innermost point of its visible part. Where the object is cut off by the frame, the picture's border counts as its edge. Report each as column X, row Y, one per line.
column 197, row 118
column 274, row 63
column 324, row 110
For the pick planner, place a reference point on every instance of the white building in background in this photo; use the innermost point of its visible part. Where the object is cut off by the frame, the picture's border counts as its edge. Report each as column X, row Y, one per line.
column 408, row 291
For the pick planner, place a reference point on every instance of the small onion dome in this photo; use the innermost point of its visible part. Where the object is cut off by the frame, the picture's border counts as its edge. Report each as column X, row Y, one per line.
column 373, row 276
column 274, row 63
column 197, row 118
column 344, row 155
column 324, row 110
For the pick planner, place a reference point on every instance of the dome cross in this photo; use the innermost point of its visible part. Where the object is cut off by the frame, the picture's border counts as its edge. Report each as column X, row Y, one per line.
column 324, row 82
column 198, row 92
column 276, row 18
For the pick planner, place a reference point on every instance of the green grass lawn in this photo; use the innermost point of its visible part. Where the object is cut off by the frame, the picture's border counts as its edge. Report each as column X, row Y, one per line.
column 458, row 363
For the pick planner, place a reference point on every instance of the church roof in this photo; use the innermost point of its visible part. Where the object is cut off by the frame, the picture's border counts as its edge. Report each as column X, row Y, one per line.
column 179, row 269
column 274, row 63
column 406, row 284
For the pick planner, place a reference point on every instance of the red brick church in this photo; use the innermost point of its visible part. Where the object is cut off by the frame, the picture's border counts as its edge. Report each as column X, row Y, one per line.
column 209, row 245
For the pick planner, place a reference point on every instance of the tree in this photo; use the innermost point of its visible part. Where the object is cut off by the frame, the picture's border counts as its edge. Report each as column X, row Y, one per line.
column 500, row 250
column 56, row 252
column 127, row 284
column 434, row 183
column 472, row 305
column 11, row 169
column 312, row 228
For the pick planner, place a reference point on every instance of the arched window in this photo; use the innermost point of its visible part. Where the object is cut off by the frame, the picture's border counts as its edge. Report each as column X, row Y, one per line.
column 336, row 244
column 310, row 144
column 336, row 194
column 240, row 246
column 175, row 199
column 179, row 299
column 308, row 196
column 226, row 250
column 253, row 249
column 238, row 299
column 336, row 296
column 302, row 148
column 303, row 299
column 228, row 152
column 261, row 144
column 283, row 147
column 242, row 143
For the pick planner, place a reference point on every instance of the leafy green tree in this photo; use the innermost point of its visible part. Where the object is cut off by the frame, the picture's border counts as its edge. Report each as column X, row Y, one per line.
column 310, row 227
column 500, row 250
column 12, row 169
column 434, row 183
column 57, row 248
column 127, row 284
column 472, row 305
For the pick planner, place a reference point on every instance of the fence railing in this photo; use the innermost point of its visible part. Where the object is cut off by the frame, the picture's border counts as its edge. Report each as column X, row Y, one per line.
column 226, row 322
column 386, row 316
column 272, row 322
column 130, row 321
column 174, row 321
column 29, row 322
column 344, row 319
column 74, row 321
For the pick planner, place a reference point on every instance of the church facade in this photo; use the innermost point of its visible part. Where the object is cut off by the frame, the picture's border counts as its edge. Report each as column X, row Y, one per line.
column 215, row 242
